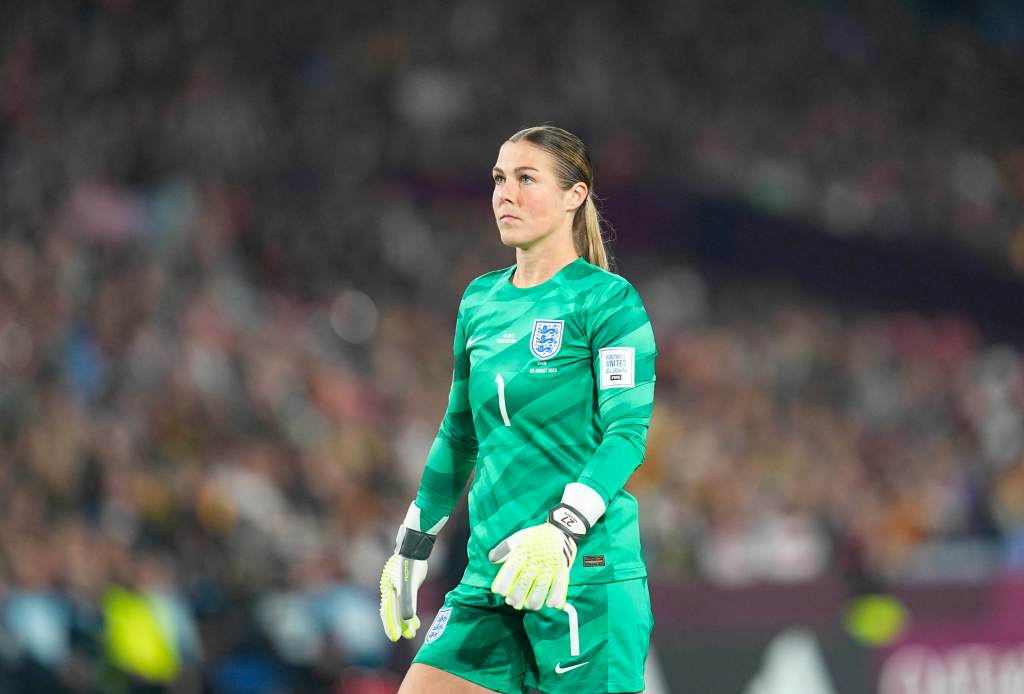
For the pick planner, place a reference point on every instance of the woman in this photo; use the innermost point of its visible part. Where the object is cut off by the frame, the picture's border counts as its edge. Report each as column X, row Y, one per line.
column 550, row 401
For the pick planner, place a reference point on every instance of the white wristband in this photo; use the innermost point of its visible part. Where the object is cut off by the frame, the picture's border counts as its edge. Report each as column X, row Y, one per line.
column 585, row 500
column 412, row 520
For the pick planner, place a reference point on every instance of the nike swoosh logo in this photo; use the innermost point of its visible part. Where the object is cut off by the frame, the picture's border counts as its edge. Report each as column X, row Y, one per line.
column 559, row 669
column 470, row 343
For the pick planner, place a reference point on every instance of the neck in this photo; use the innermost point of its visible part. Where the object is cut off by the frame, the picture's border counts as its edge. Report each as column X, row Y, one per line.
column 535, row 266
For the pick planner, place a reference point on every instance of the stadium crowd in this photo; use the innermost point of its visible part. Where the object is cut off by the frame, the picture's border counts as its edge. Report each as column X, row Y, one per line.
column 894, row 120
column 233, row 238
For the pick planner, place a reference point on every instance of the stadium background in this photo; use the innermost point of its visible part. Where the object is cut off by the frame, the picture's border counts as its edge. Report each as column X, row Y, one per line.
column 233, row 236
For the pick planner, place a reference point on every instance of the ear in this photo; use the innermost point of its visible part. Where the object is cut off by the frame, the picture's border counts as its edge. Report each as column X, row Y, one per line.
column 576, row 196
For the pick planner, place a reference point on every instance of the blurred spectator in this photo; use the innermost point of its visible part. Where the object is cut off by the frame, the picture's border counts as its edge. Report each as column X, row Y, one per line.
column 234, row 234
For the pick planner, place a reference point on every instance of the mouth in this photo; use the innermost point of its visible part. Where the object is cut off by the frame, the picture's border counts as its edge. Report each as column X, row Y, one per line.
column 508, row 218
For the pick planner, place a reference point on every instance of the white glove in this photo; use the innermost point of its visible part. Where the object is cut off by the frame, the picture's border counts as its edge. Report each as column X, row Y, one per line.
column 536, row 561
column 535, row 567
column 404, row 573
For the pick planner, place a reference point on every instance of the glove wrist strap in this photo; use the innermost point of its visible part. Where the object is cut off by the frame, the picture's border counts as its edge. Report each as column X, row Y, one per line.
column 569, row 520
column 416, row 544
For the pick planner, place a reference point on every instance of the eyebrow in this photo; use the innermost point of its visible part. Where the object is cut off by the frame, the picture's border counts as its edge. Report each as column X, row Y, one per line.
column 518, row 168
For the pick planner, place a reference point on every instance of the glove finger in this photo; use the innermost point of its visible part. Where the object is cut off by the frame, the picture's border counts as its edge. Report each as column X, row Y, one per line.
column 409, row 627
column 507, row 546
column 389, row 618
column 389, row 603
column 500, row 552
column 559, row 589
column 507, row 576
column 535, row 600
column 521, row 590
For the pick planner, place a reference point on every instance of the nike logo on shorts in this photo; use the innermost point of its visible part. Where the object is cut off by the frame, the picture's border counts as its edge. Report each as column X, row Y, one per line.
column 559, row 669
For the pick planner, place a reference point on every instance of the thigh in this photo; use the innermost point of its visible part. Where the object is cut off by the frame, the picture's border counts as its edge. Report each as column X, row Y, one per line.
column 478, row 638
column 425, row 679
column 597, row 644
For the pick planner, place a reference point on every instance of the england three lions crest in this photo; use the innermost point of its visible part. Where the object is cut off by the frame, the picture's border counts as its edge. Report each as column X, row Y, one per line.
column 547, row 338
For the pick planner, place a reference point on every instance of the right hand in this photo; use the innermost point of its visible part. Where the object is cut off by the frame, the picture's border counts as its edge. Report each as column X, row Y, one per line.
column 404, row 573
column 399, row 583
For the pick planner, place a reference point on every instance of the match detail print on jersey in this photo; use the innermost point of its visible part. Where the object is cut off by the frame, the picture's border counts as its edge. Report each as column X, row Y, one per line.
column 617, row 367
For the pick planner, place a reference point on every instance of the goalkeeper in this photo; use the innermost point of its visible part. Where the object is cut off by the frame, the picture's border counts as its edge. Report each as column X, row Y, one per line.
column 550, row 401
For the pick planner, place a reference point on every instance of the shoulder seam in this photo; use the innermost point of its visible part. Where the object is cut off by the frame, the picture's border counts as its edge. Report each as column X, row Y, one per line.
column 480, row 278
column 487, row 274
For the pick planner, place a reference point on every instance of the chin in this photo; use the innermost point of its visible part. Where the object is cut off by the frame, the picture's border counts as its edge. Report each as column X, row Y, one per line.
column 514, row 238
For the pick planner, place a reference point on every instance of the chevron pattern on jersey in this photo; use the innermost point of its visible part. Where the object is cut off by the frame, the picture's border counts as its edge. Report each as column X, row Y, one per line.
column 530, row 426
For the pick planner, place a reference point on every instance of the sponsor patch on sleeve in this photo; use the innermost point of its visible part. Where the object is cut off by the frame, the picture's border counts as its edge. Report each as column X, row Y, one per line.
column 617, row 367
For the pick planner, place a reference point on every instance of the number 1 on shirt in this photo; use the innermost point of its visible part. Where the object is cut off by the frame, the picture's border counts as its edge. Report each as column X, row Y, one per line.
column 501, row 399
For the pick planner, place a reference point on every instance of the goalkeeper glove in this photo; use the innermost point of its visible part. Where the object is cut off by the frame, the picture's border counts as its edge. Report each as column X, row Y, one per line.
column 536, row 561
column 404, row 573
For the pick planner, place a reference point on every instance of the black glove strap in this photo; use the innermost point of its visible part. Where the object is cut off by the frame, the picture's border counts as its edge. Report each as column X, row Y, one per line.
column 569, row 520
column 416, row 544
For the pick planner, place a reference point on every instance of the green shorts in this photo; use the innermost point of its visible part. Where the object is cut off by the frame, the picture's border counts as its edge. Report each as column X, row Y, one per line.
column 598, row 644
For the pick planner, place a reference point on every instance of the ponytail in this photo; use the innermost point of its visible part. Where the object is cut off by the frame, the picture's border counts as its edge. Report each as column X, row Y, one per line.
column 587, row 237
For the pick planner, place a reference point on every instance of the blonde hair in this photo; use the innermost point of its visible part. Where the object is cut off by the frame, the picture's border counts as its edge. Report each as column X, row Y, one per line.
column 572, row 166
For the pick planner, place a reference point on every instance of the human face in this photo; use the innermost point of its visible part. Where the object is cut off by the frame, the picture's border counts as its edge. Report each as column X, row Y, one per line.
column 529, row 205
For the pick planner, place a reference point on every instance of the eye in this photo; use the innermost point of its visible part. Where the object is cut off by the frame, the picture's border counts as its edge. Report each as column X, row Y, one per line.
column 526, row 179
column 498, row 178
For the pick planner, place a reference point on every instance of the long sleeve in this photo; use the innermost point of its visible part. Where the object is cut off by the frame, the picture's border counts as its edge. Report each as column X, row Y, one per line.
column 454, row 451
column 624, row 352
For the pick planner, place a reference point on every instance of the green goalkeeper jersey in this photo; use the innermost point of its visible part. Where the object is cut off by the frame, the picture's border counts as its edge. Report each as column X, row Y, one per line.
column 552, row 384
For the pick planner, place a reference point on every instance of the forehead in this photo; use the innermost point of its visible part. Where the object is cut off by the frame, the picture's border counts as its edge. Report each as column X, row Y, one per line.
column 514, row 155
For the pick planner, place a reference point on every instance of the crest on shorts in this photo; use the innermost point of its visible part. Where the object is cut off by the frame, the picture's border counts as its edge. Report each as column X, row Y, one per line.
column 440, row 622
column 547, row 338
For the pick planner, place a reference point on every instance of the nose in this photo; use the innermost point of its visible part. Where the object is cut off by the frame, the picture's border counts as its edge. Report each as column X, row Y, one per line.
column 506, row 192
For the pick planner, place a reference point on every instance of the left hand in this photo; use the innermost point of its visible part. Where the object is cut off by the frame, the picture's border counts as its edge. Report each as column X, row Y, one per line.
column 535, row 567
